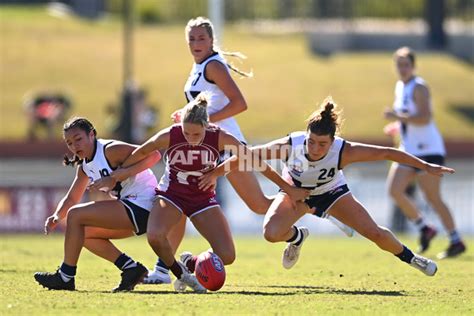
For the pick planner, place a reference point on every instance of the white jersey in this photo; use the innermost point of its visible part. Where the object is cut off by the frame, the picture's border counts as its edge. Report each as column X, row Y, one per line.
column 197, row 82
column 138, row 189
column 319, row 176
column 418, row 140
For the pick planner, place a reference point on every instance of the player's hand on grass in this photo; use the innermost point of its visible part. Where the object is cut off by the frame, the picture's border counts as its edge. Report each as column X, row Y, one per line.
column 50, row 224
column 438, row 170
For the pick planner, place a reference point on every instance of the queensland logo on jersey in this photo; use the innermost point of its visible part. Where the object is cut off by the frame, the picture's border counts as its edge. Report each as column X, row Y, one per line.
column 185, row 157
column 296, row 169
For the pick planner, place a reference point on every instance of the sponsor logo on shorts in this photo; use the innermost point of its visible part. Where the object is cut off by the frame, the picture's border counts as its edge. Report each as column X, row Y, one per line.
column 336, row 190
column 131, row 197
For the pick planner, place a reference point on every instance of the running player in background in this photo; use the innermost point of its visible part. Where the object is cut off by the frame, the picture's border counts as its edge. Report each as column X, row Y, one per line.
column 314, row 160
column 413, row 114
column 211, row 74
column 93, row 224
column 193, row 148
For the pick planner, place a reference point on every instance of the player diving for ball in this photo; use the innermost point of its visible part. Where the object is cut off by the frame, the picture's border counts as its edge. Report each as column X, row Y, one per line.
column 315, row 159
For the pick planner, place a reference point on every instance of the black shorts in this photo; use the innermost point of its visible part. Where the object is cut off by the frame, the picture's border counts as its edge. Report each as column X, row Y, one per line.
column 436, row 159
column 323, row 202
column 138, row 216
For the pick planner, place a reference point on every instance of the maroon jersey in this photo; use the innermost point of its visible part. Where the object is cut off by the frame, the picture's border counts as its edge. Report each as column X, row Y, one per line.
column 185, row 163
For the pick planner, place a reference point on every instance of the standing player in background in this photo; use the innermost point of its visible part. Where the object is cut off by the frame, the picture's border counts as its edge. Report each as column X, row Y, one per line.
column 314, row 159
column 192, row 149
column 412, row 113
column 211, row 74
column 93, row 224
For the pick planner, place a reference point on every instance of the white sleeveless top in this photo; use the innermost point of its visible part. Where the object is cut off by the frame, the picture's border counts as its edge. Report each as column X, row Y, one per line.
column 418, row 140
column 138, row 189
column 319, row 176
column 197, row 82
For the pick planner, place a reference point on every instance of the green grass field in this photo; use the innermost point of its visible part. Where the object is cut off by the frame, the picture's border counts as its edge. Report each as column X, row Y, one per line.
column 334, row 276
column 84, row 59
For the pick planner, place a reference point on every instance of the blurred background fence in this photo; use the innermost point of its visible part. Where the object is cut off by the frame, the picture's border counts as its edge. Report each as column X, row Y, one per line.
column 300, row 51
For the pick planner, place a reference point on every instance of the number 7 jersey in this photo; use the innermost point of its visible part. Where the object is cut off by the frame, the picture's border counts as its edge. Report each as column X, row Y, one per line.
column 318, row 176
column 197, row 83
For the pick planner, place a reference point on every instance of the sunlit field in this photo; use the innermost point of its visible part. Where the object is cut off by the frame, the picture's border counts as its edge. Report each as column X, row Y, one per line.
column 334, row 276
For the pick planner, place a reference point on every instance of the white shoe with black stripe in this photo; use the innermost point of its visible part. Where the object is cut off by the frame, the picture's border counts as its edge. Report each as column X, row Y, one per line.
column 425, row 265
column 158, row 276
column 188, row 280
column 292, row 251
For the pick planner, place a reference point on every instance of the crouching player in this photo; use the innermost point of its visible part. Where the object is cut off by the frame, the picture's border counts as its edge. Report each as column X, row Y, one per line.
column 192, row 149
column 93, row 224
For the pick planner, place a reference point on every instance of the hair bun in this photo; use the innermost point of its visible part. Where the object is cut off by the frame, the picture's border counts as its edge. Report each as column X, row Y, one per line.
column 328, row 108
column 202, row 99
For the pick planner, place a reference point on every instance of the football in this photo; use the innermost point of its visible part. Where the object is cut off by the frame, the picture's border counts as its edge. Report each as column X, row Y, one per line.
column 210, row 271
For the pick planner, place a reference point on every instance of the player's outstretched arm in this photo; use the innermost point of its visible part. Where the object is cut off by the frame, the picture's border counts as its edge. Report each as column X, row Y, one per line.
column 159, row 141
column 277, row 150
column 247, row 159
column 116, row 154
column 72, row 197
column 358, row 152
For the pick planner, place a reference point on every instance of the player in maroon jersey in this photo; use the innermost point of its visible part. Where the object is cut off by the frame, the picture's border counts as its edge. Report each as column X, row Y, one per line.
column 192, row 149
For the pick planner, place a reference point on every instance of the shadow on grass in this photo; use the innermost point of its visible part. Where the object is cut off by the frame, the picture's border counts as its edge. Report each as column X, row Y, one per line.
column 290, row 290
column 328, row 290
column 194, row 293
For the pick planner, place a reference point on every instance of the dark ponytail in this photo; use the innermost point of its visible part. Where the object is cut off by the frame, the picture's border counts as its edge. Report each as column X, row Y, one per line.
column 325, row 121
column 71, row 162
column 83, row 124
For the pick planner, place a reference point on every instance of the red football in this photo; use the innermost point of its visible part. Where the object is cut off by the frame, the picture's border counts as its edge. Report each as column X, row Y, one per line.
column 210, row 271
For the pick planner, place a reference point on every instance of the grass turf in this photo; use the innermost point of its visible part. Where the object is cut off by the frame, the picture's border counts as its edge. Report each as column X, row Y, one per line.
column 334, row 276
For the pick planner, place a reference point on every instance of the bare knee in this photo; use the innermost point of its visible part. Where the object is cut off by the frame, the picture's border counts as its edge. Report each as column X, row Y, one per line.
column 375, row 234
column 434, row 199
column 227, row 257
column 261, row 206
column 156, row 237
column 271, row 233
column 74, row 215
